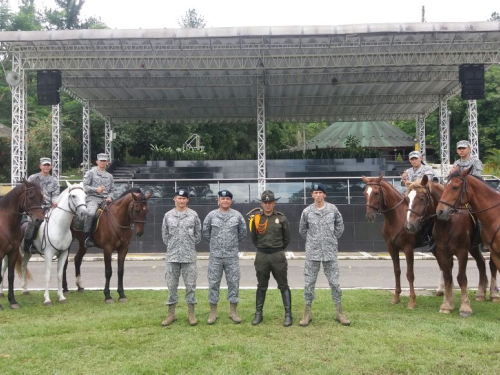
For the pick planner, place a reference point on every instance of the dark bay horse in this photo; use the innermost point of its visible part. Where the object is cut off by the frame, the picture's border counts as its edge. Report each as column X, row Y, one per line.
column 383, row 199
column 116, row 225
column 455, row 237
column 465, row 190
column 24, row 198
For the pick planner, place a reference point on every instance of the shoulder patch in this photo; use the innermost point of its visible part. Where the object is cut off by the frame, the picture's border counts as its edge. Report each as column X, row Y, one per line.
column 280, row 213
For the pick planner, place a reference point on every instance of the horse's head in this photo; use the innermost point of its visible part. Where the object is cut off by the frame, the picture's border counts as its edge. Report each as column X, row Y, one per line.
column 76, row 200
column 374, row 196
column 421, row 204
column 455, row 195
column 138, row 210
column 32, row 201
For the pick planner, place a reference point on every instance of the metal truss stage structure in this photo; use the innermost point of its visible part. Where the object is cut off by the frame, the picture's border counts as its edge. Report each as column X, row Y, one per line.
column 252, row 75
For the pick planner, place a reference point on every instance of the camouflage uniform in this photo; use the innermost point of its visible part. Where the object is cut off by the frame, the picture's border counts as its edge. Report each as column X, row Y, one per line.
column 91, row 181
column 223, row 230
column 413, row 175
column 321, row 228
column 477, row 166
column 181, row 231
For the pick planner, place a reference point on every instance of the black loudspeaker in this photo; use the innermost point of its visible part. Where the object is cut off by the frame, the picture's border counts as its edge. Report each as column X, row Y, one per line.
column 48, row 86
column 472, row 79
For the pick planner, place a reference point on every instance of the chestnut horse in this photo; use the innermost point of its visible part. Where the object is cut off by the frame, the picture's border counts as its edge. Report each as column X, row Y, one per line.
column 24, row 198
column 383, row 199
column 455, row 237
column 466, row 190
column 116, row 225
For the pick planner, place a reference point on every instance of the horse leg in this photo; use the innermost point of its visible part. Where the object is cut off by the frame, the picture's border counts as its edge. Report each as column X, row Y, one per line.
column 465, row 308
column 494, row 265
column 122, row 253
column 440, row 288
column 4, row 269
column 475, row 251
column 445, row 261
column 63, row 257
column 410, row 275
column 108, row 272
column 24, row 278
column 12, row 264
column 48, row 260
column 397, row 273
column 64, row 278
column 82, row 250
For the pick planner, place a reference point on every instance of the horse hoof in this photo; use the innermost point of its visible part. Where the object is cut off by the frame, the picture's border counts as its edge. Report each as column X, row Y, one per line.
column 495, row 299
column 63, row 301
column 443, row 311
column 465, row 314
column 480, row 299
column 26, row 292
column 49, row 303
column 15, row 306
column 66, row 292
column 123, row 299
column 412, row 306
column 395, row 301
column 81, row 290
column 109, row 301
column 1, row 308
column 439, row 293
column 2, row 295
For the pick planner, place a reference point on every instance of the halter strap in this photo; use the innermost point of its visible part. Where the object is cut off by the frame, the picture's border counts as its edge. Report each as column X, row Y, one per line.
column 379, row 211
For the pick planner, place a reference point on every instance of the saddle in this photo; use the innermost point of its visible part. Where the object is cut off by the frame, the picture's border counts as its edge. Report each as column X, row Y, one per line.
column 79, row 224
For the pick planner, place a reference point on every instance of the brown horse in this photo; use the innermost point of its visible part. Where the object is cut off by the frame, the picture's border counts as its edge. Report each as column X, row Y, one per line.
column 383, row 199
column 24, row 198
column 466, row 190
column 455, row 237
column 116, row 225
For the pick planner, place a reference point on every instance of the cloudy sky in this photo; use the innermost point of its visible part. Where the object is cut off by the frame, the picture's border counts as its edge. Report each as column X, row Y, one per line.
column 149, row 14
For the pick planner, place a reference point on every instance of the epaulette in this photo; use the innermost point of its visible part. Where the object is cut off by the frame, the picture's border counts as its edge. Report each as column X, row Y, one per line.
column 280, row 213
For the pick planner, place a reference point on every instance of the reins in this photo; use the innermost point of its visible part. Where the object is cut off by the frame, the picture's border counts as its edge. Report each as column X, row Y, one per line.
column 379, row 211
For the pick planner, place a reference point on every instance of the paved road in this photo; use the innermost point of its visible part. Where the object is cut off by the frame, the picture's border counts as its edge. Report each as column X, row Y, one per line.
column 147, row 274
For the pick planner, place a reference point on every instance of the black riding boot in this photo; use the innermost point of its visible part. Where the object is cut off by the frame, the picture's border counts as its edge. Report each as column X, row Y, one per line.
column 260, row 298
column 89, row 242
column 287, row 303
column 28, row 246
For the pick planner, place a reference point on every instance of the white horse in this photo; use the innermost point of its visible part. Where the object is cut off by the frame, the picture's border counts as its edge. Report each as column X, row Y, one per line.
column 54, row 236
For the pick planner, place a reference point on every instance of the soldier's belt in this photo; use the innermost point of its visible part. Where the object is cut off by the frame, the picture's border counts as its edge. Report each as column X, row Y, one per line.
column 269, row 251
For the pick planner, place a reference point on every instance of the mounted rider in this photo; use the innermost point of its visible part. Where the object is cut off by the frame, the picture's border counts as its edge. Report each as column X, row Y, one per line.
column 99, row 186
column 51, row 190
column 467, row 161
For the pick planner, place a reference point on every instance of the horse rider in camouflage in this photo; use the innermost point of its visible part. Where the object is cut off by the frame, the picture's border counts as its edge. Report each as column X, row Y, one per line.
column 467, row 161
column 181, row 231
column 321, row 225
column 51, row 190
column 99, row 186
column 223, row 229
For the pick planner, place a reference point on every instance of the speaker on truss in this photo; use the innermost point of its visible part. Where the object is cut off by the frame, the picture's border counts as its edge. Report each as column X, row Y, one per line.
column 48, row 85
column 471, row 76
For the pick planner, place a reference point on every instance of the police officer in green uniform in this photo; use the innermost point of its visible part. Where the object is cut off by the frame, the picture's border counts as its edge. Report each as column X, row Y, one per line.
column 271, row 235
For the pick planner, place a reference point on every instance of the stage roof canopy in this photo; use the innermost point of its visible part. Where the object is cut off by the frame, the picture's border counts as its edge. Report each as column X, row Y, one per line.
column 369, row 72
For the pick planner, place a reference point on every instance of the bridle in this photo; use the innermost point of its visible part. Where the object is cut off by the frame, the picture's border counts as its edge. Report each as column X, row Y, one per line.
column 422, row 216
column 378, row 209
column 460, row 199
column 130, row 214
column 75, row 208
column 27, row 210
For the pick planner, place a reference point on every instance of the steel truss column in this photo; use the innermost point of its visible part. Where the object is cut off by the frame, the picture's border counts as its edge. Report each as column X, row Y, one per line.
column 261, row 135
column 108, row 138
column 18, row 148
column 473, row 131
column 56, row 142
column 444, row 136
column 86, row 136
column 421, row 135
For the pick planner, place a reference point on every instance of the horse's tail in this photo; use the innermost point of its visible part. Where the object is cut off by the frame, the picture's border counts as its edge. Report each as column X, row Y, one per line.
column 29, row 276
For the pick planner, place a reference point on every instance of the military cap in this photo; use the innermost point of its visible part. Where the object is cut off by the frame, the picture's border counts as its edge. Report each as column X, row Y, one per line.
column 182, row 193
column 102, row 157
column 316, row 186
column 463, row 143
column 414, row 154
column 45, row 161
column 225, row 193
column 268, row 196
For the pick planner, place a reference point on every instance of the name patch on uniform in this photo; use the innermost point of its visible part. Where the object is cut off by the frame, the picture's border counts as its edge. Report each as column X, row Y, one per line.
column 277, row 221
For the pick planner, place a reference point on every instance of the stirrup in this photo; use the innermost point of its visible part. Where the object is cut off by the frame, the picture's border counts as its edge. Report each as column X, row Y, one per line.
column 89, row 242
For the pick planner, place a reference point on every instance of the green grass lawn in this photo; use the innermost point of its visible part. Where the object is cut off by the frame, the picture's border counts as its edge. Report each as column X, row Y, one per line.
column 88, row 336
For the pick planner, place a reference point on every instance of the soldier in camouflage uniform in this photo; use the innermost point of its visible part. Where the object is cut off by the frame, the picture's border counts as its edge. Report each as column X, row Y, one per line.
column 321, row 225
column 466, row 161
column 51, row 189
column 224, row 228
column 418, row 170
column 181, row 231
column 271, row 235
column 99, row 185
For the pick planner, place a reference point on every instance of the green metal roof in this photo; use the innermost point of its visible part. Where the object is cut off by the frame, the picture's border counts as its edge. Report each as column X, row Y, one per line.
column 372, row 134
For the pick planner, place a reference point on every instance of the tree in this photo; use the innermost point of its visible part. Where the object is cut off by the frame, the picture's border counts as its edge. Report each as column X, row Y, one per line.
column 66, row 17
column 495, row 16
column 192, row 20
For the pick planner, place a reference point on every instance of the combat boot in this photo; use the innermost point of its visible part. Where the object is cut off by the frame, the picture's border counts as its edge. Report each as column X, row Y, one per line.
column 233, row 314
column 340, row 317
column 213, row 314
column 171, row 317
column 286, row 295
column 260, row 298
column 307, row 318
column 191, row 315
column 89, row 241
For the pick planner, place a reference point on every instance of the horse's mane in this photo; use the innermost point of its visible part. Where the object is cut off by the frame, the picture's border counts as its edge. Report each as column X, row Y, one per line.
column 419, row 188
column 5, row 200
column 62, row 195
column 132, row 190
